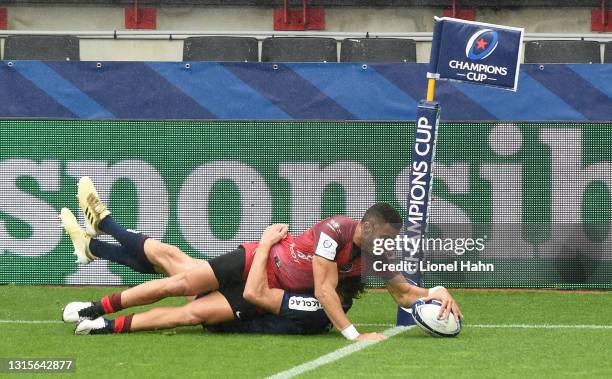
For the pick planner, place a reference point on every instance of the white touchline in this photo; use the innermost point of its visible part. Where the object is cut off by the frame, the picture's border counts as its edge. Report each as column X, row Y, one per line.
column 484, row 326
column 31, row 322
column 489, row 326
column 521, row 326
column 335, row 355
column 541, row 326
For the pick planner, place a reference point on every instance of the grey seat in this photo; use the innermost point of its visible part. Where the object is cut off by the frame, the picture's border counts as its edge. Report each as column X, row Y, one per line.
column 48, row 48
column 608, row 52
column 221, row 49
column 378, row 50
column 299, row 49
column 562, row 52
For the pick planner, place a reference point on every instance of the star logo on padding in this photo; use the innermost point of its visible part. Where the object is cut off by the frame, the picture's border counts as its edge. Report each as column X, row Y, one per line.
column 481, row 44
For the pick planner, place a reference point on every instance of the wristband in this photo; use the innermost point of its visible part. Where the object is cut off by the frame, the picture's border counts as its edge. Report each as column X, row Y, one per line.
column 350, row 333
column 434, row 289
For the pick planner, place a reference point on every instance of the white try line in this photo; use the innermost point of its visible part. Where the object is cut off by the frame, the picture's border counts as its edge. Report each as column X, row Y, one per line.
column 335, row 355
column 483, row 326
column 520, row 326
column 540, row 326
column 31, row 322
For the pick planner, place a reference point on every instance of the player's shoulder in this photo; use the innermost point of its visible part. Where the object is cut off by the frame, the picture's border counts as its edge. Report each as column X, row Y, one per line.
column 338, row 224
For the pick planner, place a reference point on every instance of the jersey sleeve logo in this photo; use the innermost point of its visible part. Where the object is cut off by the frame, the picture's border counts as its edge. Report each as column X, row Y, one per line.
column 307, row 304
column 326, row 247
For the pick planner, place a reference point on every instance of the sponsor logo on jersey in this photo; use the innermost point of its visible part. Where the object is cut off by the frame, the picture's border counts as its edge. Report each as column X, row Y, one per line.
column 299, row 255
column 326, row 247
column 309, row 304
column 334, row 225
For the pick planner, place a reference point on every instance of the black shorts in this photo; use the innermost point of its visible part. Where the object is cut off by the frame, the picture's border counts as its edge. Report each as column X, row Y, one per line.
column 228, row 269
column 299, row 314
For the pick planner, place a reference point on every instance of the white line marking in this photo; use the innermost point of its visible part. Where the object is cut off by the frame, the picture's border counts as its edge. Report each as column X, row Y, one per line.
column 521, row 326
column 31, row 322
column 540, row 326
column 483, row 326
column 335, row 355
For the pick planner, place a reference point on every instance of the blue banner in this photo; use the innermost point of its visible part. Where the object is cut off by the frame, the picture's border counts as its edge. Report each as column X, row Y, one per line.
column 419, row 192
column 295, row 91
column 476, row 52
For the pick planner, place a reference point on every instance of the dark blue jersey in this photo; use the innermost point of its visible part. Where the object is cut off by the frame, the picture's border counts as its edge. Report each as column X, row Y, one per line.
column 300, row 313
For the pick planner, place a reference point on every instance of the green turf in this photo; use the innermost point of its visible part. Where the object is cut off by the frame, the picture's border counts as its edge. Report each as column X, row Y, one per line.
column 189, row 352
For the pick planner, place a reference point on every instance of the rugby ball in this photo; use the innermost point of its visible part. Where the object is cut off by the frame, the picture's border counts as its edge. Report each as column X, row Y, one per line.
column 426, row 317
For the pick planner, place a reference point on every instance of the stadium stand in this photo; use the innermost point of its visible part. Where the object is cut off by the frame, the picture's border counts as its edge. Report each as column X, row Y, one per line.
column 299, row 49
column 50, row 48
column 608, row 52
column 433, row 3
column 221, row 49
column 562, row 52
column 378, row 50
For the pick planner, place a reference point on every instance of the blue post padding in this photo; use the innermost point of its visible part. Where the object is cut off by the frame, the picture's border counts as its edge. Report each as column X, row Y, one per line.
column 419, row 192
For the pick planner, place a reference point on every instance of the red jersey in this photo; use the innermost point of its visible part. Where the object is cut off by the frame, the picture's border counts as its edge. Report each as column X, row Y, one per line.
column 290, row 261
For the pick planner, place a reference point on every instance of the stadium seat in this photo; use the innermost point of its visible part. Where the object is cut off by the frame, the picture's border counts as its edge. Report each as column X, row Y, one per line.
column 299, row 49
column 608, row 52
column 221, row 49
column 378, row 50
column 562, row 52
column 47, row 48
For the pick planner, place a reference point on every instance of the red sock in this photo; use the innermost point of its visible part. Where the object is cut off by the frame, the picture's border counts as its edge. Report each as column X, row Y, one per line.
column 112, row 303
column 123, row 323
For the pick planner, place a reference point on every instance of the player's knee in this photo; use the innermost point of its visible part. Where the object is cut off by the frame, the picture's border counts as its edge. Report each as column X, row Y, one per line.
column 191, row 318
column 190, row 315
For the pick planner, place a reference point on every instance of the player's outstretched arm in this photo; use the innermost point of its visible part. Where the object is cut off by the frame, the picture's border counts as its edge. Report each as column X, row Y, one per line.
column 326, row 280
column 406, row 294
column 256, row 289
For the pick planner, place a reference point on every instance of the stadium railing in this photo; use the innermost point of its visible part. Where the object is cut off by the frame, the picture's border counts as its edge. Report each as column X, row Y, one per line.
column 260, row 36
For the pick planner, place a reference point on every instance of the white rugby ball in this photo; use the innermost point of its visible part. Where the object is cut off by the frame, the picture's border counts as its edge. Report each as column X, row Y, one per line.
column 426, row 316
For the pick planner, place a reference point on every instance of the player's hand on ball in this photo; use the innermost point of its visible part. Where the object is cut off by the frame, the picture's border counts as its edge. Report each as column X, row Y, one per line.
column 449, row 305
column 371, row 336
column 274, row 234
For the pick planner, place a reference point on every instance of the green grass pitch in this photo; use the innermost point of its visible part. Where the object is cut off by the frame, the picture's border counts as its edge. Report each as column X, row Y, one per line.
column 483, row 349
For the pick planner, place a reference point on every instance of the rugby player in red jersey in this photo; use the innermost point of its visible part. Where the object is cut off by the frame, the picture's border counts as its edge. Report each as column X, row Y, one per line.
column 314, row 261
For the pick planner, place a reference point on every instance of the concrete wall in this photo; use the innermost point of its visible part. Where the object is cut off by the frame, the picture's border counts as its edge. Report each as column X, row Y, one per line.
column 340, row 19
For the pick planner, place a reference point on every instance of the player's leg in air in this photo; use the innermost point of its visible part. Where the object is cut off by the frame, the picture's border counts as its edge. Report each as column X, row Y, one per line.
column 189, row 276
column 149, row 256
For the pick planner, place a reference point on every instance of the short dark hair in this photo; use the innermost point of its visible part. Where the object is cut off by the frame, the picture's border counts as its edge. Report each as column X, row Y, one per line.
column 383, row 212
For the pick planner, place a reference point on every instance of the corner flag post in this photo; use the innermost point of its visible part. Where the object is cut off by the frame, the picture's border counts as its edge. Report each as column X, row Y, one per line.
column 431, row 86
column 466, row 51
